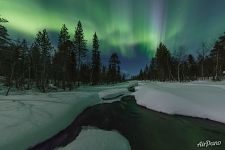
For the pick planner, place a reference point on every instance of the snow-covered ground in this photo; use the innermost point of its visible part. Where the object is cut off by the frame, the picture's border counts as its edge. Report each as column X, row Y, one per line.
column 26, row 120
column 29, row 117
column 112, row 95
column 91, row 139
column 204, row 99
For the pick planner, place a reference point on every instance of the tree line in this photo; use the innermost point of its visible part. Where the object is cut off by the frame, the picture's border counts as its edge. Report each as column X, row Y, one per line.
column 43, row 66
column 208, row 63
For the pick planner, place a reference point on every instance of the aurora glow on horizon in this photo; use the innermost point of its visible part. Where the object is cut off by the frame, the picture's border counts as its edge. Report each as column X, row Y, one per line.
column 122, row 25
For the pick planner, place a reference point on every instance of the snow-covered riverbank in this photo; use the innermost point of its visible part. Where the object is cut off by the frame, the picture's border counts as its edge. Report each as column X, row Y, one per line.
column 90, row 139
column 204, row 99
column 28, row 119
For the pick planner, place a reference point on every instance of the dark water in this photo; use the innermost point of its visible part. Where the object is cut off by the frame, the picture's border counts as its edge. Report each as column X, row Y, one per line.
column 145, row 129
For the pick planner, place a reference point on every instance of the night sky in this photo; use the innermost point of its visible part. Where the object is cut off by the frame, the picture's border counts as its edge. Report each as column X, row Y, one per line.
column 133, row 28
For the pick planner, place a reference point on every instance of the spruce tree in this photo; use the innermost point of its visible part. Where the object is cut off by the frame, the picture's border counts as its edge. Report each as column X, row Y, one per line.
column 146, row 70
column 103, row 74
column 114, row 69
column 43, row 43
column 23, row 63
column 72, row 68
column 141, row 75
column 35, row 64
column 4, row 47
column 85, row 74
column 63, row 56
column 163, row 59
column 4, row 36
column 80, row 48
column 118, row 75
column 11, row 63
column 153, row 69
column 96, row 61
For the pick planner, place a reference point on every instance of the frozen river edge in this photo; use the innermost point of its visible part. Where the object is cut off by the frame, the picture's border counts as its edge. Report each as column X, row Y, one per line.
column 144, row 128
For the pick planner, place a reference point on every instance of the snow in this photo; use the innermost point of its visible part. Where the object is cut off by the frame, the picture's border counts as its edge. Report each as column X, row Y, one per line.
column 112, row 93
column 90, row 139
column 204, row 99
column 29, row 117
column 116, row 92
column 26, row 120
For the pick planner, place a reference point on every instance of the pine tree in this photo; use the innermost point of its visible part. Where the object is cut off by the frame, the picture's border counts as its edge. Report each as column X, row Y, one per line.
column 63, row 56
column 12, row 63
column 35, row 64
column 153, row 69
column 72, row 68
column 43, row 43
column 163, row 62
column 4, row 46
column 80, row 48
column 103, row 74
column 28, row 62
column 85, row 74
column 114, row 69
column 96, row 61
column 23, row 62
column 4, row 36
column 118, row 75
column 209, row 67
column 146, row 71
column 141, row 75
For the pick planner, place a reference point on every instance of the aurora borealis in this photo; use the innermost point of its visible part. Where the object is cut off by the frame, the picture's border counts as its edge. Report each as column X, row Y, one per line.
column 131, row 27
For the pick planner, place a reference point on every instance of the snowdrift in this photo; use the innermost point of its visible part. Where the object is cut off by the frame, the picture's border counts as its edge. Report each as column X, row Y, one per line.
column 197, row 99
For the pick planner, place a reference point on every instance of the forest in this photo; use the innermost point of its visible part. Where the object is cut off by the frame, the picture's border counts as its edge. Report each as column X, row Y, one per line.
column 67, row 66
column 45, row 67
column 207, row 64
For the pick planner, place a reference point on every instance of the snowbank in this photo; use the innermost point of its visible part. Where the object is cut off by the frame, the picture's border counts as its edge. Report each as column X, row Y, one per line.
column 29, row 117
column 198, row 99
column 116, row 92
column 90, row 139
column 26, row 120
column 112, row 93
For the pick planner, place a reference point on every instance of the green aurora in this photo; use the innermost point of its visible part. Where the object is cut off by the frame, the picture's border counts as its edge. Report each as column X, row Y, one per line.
column 121, row 24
